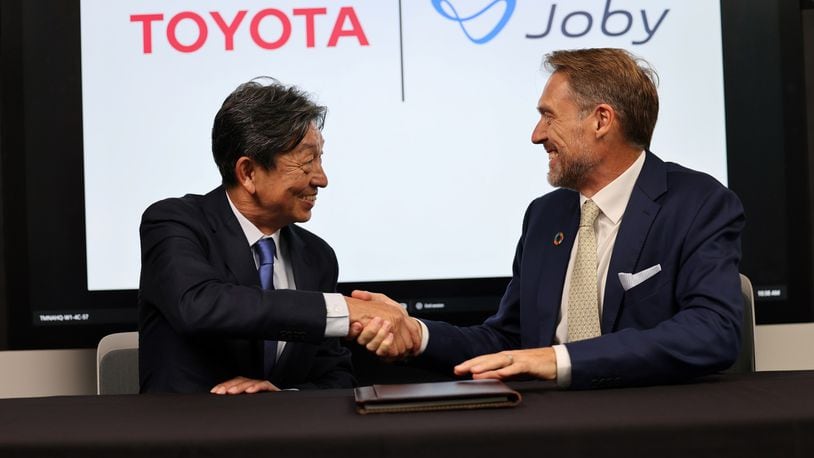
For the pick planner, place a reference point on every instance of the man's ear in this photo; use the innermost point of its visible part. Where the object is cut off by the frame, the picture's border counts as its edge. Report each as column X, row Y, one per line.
column 604, row 117
column 245, row 172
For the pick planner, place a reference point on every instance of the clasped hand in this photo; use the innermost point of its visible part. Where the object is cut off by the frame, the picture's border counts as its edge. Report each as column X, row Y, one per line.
column 387, row 330
column 377, row 322
column 382, row 325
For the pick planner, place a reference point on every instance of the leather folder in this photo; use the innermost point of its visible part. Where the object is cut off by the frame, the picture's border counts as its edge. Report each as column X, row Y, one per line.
column 416, row 397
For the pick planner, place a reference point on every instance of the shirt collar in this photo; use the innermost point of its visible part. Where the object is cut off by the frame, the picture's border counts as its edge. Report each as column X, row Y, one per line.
column 252, row 233
column 613, row 198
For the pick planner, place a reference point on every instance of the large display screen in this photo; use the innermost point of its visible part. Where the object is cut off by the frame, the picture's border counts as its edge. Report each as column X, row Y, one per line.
column 431, row 104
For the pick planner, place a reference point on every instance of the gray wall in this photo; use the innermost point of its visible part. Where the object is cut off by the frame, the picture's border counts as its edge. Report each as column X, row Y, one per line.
column 30, row 373
column 73, row 372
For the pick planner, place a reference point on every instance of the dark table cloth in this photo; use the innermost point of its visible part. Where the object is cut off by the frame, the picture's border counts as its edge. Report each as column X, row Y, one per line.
column 761, row 414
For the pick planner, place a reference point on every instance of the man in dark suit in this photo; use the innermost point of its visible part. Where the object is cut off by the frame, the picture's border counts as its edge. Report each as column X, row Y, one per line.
column 234, row 297
column 628, row 274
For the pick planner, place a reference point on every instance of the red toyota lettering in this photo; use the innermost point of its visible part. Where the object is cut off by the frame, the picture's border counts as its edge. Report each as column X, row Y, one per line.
column 146, row 29
column 284, row 22
column 309, row 14
column 347, row 12
column 347, row 24
column 202, row 32
column 229, row 29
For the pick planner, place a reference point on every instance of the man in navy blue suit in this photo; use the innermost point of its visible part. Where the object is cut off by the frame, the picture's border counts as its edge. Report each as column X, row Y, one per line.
column 211, row 319
column 654, row 294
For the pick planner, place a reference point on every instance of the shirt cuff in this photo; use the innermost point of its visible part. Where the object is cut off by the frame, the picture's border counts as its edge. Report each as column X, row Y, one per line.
column 563, row 366
column 337, row 318
column 425, row 336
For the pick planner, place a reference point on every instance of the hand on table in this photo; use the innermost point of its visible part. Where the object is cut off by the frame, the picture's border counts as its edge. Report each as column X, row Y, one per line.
column 537, row 362
column 240, row 385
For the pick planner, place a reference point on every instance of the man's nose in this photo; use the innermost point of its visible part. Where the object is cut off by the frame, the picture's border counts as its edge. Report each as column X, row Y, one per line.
column 540, row 132
column 320, row 178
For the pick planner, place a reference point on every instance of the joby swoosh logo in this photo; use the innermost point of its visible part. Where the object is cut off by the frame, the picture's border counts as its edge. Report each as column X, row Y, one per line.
column 447, row 9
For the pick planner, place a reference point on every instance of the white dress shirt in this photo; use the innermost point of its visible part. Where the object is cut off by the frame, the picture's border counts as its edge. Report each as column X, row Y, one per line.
column 612, row 201
column 338, row 318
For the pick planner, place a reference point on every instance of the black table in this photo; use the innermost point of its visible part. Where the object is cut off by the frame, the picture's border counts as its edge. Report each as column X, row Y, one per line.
column 763, row 414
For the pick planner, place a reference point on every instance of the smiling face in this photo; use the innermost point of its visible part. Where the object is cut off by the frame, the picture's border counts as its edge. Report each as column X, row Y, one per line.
column 565, row 133
column 287, row 192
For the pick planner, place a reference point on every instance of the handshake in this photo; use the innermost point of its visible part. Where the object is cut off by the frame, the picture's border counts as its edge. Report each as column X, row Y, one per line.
column 381, row 325
column 384, row 328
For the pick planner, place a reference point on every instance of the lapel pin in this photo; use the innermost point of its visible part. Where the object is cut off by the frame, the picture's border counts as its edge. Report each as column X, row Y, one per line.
column 558, row 238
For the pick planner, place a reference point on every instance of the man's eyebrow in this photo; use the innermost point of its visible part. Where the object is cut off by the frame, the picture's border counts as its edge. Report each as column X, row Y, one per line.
column 309, row 146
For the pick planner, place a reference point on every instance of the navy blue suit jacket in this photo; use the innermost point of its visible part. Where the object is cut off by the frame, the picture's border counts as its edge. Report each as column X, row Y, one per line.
column 681, row 323
column 203, row 316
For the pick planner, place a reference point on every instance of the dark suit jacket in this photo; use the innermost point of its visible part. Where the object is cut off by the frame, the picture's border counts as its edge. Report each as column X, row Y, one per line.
column 203, row 316
column 682, row 322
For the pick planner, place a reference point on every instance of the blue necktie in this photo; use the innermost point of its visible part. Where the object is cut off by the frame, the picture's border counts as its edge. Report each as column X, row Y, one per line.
column 265, row 253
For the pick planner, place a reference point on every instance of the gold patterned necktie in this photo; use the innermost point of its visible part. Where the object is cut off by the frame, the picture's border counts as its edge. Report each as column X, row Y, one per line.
column 583, row 296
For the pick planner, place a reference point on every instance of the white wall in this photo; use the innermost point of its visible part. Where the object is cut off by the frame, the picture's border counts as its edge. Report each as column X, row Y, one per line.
column 73, row 372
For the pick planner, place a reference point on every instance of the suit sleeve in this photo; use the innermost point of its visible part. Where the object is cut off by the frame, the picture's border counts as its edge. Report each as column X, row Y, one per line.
column 450, row 345
column 331, row 366
column 703, row 334
column 179, row 277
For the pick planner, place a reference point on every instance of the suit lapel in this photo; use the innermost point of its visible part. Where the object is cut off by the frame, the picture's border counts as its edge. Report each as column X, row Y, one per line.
column 301, row 264
column 556, row 265
column 237, row 253
column 299, row 257
column 548, row 239
column 640, row 213
column 238, row 258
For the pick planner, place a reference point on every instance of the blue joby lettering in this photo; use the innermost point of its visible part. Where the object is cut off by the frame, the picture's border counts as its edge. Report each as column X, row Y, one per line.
column 608, row 13
column 588, row 25
column 571, row 29
column 647, row 29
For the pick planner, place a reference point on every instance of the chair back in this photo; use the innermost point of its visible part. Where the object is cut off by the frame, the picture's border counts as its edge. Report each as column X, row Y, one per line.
column 117, row 364
column 746, row 358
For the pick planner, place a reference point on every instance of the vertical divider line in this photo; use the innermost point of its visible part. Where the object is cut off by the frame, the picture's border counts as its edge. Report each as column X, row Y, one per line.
column 401, row 51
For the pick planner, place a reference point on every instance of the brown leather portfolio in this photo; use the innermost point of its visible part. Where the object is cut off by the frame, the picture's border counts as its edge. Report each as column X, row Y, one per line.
column 415, row 397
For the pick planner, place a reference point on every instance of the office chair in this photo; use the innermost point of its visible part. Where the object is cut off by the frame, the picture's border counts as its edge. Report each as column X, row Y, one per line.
column 746, row 358
column 117, row 364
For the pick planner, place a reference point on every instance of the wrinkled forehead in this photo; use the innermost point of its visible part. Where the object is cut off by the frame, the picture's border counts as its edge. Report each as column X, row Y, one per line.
column 557, row 91
column 312, row 142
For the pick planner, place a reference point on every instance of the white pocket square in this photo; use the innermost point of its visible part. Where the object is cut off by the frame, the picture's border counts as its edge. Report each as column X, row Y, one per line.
column 631, row 280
